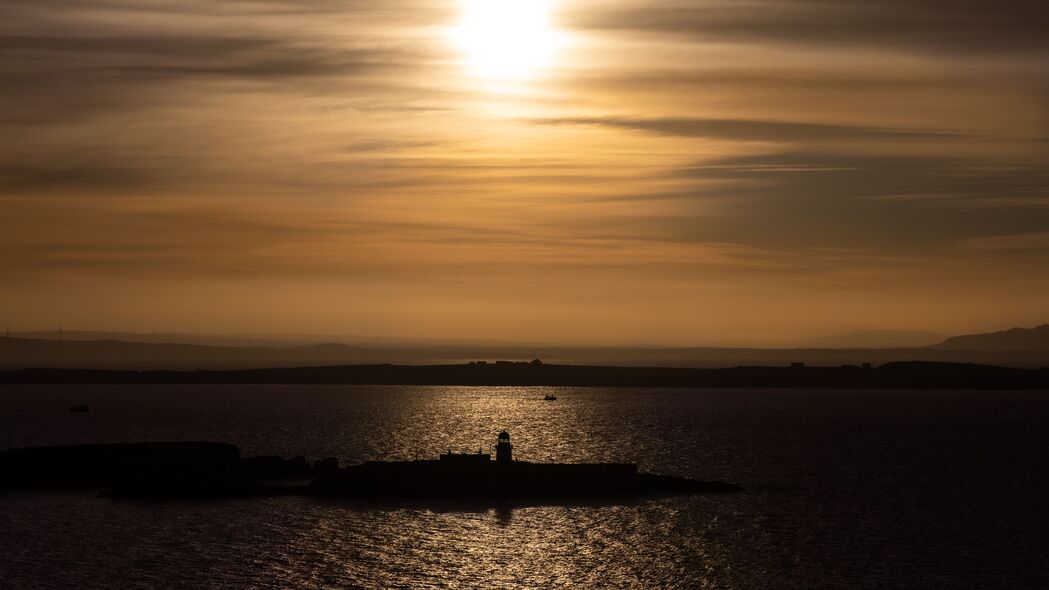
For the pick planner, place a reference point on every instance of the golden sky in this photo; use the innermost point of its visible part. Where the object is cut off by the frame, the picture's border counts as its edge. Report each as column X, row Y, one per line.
column 659, row 172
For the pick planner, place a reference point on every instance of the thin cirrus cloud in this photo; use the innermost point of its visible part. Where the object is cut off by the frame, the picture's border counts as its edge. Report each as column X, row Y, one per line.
column 1034, row 241
column 48, row 79
column 106, row 49
column 195, row 55
column 673, row 152
column 966, row 26
column 138, row 96
column 885, row 202
column 749, row 130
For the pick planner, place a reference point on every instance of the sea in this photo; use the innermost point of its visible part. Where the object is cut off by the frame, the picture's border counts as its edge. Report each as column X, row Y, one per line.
column 843, row 489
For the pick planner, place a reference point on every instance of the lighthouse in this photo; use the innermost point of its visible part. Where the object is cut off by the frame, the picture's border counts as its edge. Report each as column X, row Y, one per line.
column 504, row 450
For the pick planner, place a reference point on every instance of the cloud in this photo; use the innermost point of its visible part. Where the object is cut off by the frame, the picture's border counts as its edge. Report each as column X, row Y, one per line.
column 936, row 180
column 32, row 177
column 405, row 9
column 1035, row 241
column 899, row 203
column 66, row 60
column 253, row 102
column 748, row 130
column 954, row 26
column 113, row 95
column 142, row 59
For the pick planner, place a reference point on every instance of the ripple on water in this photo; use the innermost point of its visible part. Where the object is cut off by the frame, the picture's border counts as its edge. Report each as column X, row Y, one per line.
column 845, row 489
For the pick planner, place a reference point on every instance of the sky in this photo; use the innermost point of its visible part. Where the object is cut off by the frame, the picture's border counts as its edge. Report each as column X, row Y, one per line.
column 659, row 172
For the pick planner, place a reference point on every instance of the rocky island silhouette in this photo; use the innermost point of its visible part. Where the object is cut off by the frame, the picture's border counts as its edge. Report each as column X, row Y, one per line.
column 200, row 470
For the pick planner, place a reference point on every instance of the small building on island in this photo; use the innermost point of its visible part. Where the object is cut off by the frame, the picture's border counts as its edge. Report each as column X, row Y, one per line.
column 503, row 454
column 504, row 450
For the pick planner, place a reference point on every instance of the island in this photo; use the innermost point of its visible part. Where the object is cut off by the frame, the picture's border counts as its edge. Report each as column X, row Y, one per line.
column 477, row 476
column 200, row 470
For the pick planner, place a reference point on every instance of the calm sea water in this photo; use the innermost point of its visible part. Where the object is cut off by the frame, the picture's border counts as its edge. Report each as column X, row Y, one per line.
column 845, row 489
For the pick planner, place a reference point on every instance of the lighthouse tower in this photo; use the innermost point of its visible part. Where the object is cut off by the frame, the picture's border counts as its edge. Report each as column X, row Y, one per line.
column 504, row 450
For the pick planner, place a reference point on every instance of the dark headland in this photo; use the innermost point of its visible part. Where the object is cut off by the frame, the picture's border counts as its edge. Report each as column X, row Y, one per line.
column 203, row 470
column 897, row 375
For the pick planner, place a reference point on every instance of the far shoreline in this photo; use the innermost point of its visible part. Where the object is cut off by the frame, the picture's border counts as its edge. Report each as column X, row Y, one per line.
column 897, row 375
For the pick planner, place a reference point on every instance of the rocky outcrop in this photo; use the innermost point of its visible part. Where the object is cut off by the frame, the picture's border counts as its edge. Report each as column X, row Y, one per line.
column 104, row 465
column 152, row 469
column 155, row 470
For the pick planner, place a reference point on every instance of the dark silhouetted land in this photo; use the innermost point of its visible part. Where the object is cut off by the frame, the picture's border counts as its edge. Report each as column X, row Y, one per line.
column 161, row 470
column 1014, row 348
column 1014, row 339
column 902, row 375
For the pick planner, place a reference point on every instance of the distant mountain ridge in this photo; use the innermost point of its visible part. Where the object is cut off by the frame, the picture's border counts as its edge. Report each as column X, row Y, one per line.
column 877, row 339
column 1013, row 339
column 20, row 353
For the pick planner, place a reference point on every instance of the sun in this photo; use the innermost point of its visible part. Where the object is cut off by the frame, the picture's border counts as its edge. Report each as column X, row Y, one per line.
column 505, row 39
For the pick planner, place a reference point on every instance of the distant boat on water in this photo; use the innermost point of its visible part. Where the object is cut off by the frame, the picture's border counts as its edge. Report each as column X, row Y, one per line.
column 550, row 398
column 79, row 409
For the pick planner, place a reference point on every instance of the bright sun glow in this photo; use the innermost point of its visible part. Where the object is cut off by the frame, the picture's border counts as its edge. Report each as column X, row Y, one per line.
column 506, row 39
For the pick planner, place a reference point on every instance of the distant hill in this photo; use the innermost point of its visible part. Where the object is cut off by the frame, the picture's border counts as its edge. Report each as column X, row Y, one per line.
column 1015, row 339
column 877, row 339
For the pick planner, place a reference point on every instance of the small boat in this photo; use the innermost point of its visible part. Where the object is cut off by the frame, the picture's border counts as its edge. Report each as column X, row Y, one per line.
column 550, row 398
column 79, row 409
